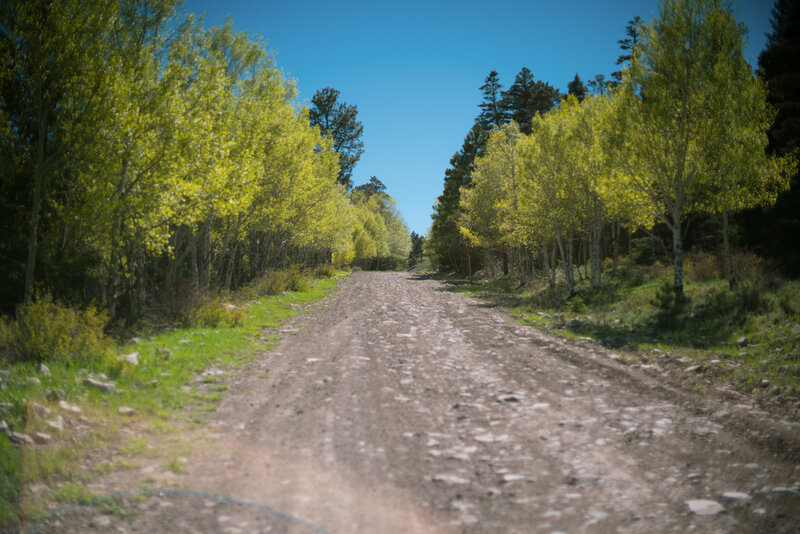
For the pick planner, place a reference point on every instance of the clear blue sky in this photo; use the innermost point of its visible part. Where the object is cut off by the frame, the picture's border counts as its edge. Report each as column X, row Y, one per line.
column 413, row 68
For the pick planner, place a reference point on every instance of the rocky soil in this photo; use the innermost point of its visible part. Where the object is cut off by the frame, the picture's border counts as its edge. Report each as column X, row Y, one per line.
column 400, row 407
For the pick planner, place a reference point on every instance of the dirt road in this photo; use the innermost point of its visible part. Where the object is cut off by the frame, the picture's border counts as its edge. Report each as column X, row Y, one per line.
column 402, row 407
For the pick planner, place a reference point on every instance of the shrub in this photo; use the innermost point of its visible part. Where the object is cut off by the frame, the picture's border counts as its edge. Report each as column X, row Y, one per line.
column 296, row 280
column 751, row 299
column 45, row 330
column 274, row 282
column 789, row 304
column 209, row 314
column 702, row 266
column 576, row 305
column 746, row 264
column 214, row 312
column 631, row 273
column 176, row 306
column 325, row 271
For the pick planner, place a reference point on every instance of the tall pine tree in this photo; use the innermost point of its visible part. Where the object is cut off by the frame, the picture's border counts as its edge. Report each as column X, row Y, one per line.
column 450, row 250
column 627, row 45
column 528, row 97
column 339, row 121
column 492, row 114
column 577, row 88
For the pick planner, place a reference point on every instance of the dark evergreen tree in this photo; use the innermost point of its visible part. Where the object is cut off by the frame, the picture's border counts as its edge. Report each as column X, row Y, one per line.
column 577, row 88
column 774, row 232
column 599, row 85
column 491, row 115
column 527, row 97
column 339, row 121
column 451, row 251
column 415, row 256
column 627, row 45
column 373, row 187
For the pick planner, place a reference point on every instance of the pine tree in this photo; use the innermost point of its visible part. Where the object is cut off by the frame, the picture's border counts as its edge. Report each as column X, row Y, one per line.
column 526, row 98
column 628, row 45
column 599, row 84
column 577, row 88
column 373, row 187
column 445, row 240
column 339, row 121
column 492, row 114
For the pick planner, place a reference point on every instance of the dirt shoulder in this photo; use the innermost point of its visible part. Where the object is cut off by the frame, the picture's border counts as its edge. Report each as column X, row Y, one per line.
column 400, row 406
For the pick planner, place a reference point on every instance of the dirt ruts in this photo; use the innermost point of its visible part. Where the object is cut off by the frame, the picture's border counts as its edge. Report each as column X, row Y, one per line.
column 399, row 407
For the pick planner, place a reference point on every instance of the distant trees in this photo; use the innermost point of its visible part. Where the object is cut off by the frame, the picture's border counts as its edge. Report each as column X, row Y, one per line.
column 416, row 253
column 380, row 235
column 446, row 246
column 338, row 121
column 449, row 246
column 577, row 88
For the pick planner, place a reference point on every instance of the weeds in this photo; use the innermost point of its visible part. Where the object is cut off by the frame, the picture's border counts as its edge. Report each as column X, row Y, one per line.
column 46, row 331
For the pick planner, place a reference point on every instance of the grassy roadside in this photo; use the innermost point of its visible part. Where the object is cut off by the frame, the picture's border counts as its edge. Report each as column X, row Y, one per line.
column 748, row 337
column 86, row 421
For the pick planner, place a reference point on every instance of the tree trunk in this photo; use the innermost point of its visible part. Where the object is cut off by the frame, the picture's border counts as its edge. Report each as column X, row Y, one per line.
column 597, row 234
column 231, row 267
column 566, row 261
column 677, row 250
column 36, row 204
column 615, row 245
column 727, row 246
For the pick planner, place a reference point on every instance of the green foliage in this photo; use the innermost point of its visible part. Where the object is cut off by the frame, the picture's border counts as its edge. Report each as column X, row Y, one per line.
column 47, row 331
column 751, row 299
column 789, row 304
column 528, row 97
column 10, row 470
column 215, row 312
column 576, row 305
column 274, row 282
column 380, row 235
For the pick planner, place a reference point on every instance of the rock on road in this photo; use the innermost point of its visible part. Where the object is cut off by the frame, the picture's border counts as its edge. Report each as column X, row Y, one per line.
column 402, row 407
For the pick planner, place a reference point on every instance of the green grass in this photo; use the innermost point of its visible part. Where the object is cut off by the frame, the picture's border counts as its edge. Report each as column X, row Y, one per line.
column 704, row 331
column 164, row 392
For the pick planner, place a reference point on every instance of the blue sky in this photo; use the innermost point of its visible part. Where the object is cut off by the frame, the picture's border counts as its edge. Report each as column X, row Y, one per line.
column 413, row 68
